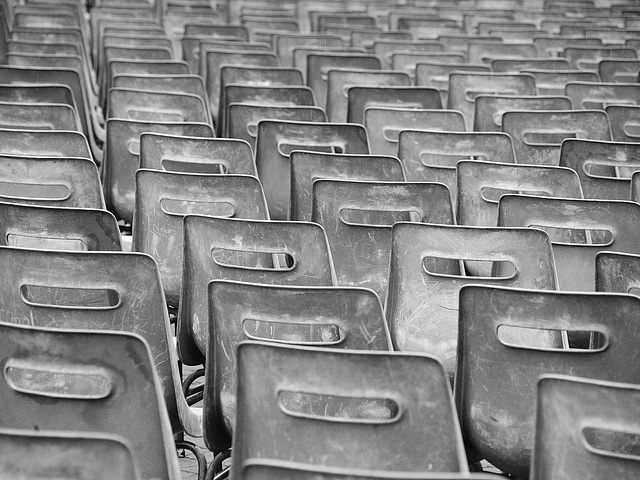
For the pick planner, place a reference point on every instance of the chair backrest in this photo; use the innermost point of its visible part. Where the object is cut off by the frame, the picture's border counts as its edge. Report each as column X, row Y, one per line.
column 258, row 251
column 285, row 43
column 277, row 138
column 579, row 230
column 358, row 217
column 38, row 116
column 52, row 181
column 585, row 428
column 153, row 106
column 399, row 404
column 600, row 94
column 481, row 184
column 319, row 64
column 307, row 167
column 427, row 258
column 385, row 48
column 341, row 79
column 407, row 61
column 490, row 108
column 485, row 52
column 432, row 155
column 361, row 97
column 35, row 226
column 604, row 168
column 554, row 45
column 385, row 125
column 51, row 455
column 499, row 421
column 587, row 58
column 164, row 198
column 618, row 272
column 106, row 383
column 436, row 74
column 625, row 122
column 622, row 71
column 554, row 82
column 330, row 317
column 465, row 87
column 178, row 153
column 121, row 159
column 516, row 65
column 538, row 135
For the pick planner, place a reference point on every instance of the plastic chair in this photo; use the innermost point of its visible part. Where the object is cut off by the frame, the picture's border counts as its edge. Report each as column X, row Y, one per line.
column 281, row 253
column 164, row 198
column 516, row 65
column 460, row 42
column 51, row 455
column 306, row 167
column 407, row 61
column 625, row 122
column 385, row 48
column 361, row 97
column 604, row 168
column 52, row 93
column 330, row 317
column 580, row 229
column 432, row 156
column 585, row 446
column 436, row 75
column 465, row 87
column 319, row 64
column 485, row 52
column 427, row 272
column 301, row 54
column 554, row 82
column 285, row 43
column 480, row 185
column 340, row 80
column 619, row 71
column 34, row 226
column 178, row 153
column 122, row 151
column 268, row 469
column 153, row 106
column 105, row 383
column 554, row 45
column 276, row 140
column 490, row 108
column 38, row 116
column 385, row 125
column 331, row 402
column 497, row 412
column 538, row 135
column 587, row 58
column 358, row 217
column 600, row 94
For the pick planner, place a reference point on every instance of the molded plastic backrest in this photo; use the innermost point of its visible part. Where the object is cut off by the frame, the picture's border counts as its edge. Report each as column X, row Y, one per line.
column 478, row 205
column 432, row 156
column 407, row 61
column 497, row 412
column 52, row 181
column 122, row 151
column 465, row 87
column 38, row 116
column 248, row 251
column 150, row 106
column 576, row 425
column 485, row 52
column 119, row 394
column 554, row 82
column 385, row 49
column 51, row 455
column 625, row 122
column 411, row 425
column 623, row 71
column 358, row 217
column 538, row 135
column 604, row 168
column 285, row 44
column 330, row 317
column 192, row 84
column 177, row 153
column 43, row 93
column 385, row 125
column 553, row 45
column 164, row 198
column 591, row 226
column 490, row 108
column 307, row 167
column 276, row 140
column 32, row 226
column 587, row 58
column 617, row 272
column 340, row 80
column 436, row 74
column 43, row 143
column 319, row 64
column 362, row 97
column 599, row 94
column 425, row 279
column 516, row 65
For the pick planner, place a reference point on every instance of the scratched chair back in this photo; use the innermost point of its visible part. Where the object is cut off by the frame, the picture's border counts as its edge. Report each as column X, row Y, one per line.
column 585, row 429
column 618, row 272
column 598, row 95
column 554, row 82
column 153, row 106
column 384, row 48
column 625, row 122
column 164, row 198
column 358, row 217
column 499, row 422
column 579, row 229
column 307, row 167
column 285, row 43
column 484, row 52
column 38, row 116
column 44, row 143
column 428, row 269
column 330, row 401
column 588, row 57
column 619, row 71
column 436, row 74
column 516, row 65
column 329, row 317
column 257, row 251
column 538, row 134
column 277, row 139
